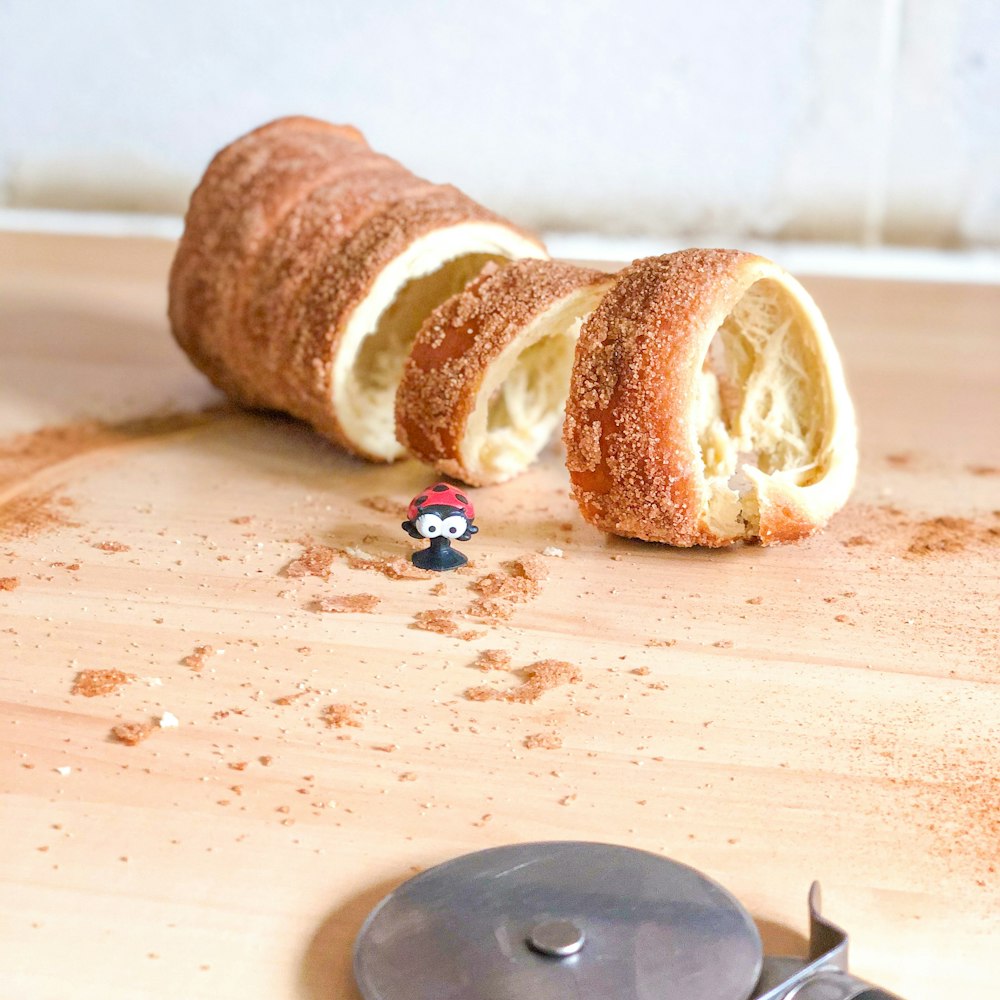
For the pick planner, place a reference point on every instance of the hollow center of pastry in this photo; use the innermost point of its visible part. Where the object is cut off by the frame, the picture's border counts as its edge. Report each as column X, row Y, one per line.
column 763, row 405
column 367, row 396
column 525, row 396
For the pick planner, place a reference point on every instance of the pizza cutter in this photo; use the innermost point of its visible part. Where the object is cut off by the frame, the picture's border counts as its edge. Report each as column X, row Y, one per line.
column 573, row 920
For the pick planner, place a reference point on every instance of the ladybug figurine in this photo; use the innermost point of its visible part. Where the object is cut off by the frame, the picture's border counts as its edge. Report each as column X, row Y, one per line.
column 441, row 514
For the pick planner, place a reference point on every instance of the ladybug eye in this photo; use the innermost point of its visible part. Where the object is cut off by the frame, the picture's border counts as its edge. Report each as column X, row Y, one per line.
column 428, row 525
column 453, row 525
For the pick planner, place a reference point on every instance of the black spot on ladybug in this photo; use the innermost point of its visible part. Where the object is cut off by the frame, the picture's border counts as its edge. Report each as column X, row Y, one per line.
column 461, row 499
column 421, row 500
column 440, row 488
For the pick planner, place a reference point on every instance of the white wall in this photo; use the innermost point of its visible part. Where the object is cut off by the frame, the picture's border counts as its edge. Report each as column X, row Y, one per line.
column 858, row 120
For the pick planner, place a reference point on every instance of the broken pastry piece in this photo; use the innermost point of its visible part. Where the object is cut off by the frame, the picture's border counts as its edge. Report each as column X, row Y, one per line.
column 708, row 405
column 485, row 384
column 307, row 265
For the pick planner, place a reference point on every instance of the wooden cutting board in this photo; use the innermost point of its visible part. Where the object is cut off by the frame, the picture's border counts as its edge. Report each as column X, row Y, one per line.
column 825, row 710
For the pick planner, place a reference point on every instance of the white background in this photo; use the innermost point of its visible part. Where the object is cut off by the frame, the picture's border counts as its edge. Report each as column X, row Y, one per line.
column 867, row 121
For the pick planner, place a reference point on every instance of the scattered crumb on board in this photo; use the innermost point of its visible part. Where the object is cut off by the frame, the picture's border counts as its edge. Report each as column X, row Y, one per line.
column 360, row 603
column 538, row 678
column 92, row 683
column 543, row 741
column 131, row 733
column 344, row 714
column 493, row 659
column 442, row 622
column 196, row 660
column 110, row 546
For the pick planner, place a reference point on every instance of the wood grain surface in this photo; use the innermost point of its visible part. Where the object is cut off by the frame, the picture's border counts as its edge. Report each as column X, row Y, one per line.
column 826, row 710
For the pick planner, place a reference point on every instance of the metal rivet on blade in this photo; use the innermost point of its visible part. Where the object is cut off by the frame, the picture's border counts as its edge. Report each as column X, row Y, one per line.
column 556, row 938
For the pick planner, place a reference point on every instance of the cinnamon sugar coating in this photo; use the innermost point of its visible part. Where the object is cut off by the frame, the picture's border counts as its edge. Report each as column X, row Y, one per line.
column 636, row 413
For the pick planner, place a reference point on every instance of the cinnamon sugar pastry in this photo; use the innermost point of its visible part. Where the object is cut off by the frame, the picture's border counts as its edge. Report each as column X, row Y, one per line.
column 486, row 381
column 708, row 405
column 308, row 263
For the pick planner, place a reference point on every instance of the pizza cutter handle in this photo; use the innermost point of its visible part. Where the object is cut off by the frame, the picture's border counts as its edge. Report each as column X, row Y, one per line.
column 828, row 949
column 824, row 975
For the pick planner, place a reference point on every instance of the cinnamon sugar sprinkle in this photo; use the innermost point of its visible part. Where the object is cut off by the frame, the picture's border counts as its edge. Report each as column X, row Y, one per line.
column 112, row 546
column 517, row 581
column 25, row 454
column 946, row 534
column 539, row 677
column 393, row 567
column 543, row 741
column 93, row 683
column 360, row 603
column 9, row 583
column 493, row 659
column 32, row 514
column 343, row 714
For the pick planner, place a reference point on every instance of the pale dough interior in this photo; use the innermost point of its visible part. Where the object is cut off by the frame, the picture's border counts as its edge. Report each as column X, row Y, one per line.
column 378, row 336
column 766, row 404
column 522, row 397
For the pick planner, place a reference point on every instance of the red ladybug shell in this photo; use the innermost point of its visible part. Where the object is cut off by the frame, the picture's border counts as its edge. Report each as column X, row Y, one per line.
column 441, row 494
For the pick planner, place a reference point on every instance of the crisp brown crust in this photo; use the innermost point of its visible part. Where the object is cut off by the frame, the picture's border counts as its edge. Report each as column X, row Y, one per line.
column 247, row 187
column 632, row 447
column 284, row 237
column 459, row 342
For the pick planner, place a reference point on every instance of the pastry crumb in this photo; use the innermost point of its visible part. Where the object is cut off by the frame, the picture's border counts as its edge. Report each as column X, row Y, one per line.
column 437, row 621
column 517, row 581
column 131, row 733
column 93, row 683
column 543, row 741
column 493, row 659
column 539, row 677
column 316, row 560
column 112, row 546
column 443, row 623
column 196, row 660
column 9, row 582
column 343, row 714
column 359, row 603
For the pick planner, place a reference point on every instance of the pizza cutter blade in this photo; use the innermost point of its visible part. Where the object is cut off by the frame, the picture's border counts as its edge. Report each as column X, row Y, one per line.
column 573, row 920
column 558, row 920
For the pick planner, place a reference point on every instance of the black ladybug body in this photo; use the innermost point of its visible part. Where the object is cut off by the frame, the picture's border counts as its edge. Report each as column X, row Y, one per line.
column 442, row 515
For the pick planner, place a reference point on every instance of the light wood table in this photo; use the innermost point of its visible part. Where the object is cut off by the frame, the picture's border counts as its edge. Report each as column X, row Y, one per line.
column 844, row 727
